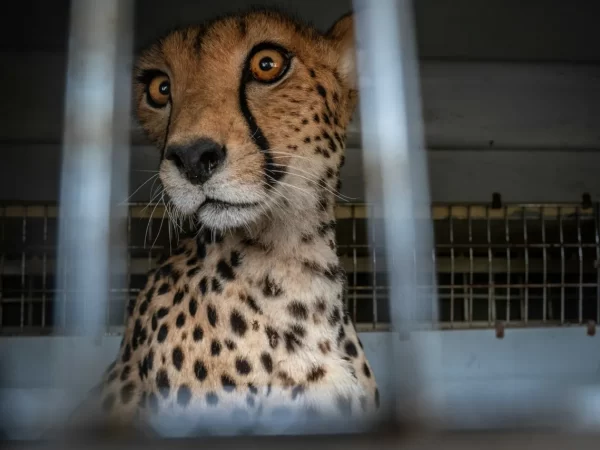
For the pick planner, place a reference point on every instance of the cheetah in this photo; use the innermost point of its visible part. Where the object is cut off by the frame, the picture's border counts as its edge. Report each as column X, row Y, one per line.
column 245, row 319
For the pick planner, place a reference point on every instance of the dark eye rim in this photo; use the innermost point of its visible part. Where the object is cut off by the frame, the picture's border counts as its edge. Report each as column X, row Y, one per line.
column 145, row 78
column 287, row 62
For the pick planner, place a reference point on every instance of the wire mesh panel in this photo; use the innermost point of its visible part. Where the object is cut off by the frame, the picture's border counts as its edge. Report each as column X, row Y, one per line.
column 521, row 265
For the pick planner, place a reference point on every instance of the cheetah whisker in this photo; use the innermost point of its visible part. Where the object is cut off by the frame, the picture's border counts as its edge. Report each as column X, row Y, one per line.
column 141, row 186
column 316, row 181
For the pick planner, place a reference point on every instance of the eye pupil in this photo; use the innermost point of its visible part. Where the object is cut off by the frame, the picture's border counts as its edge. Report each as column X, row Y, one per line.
column 164, row 88
column 266, row 63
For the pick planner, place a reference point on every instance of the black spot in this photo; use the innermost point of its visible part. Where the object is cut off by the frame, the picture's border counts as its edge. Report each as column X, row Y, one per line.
column 334, row 317
column 238, row 323
column 230, row 344
column 125, row 373
column 163, row 289
column 325, row 227
column 150, row 360
column 193, row 306
column 377, row 397
column 347, row 318
column 321, row 306
column 297, row 391
column 213, row 318
column 126, row 354
column 304, row 121
column 178, row 358
column 143, row 368
column 112, row 376
column 298, row 310
column 316, row 374
column 326, row 119
column 291, row 342
column 162, row 333
column 153, row 402
column 271, row 289
column 298, row 330
column 255, row 325
column 136, row 335
column 236, row 258
column 212, row 399
column 200, row 370
column 272, row 336
column 131, row 306
column 216, row 286
column 162, row 382
column 366, row 370
column 228, row 383
column 307, row 140
column 154, row 323
column 316, row 118
column 180, row 322
column 203, row 285
column 198, row 334
column 200, row 249
column 225, row 270
column 321, row 90
column 192, row 261
column 344, row 405
column 253, row 305
column 178, row 298
column 351, row 349
column 184, row 395
column 242, row 366
column 163, row 271
column 215, row 348
column 108, row 402
column 330, row 173
column 192, row 272
column 143, row 307
column 162, row 312
column 267, row 362
column 341, row 334
column 312, row 73
column 127, row 392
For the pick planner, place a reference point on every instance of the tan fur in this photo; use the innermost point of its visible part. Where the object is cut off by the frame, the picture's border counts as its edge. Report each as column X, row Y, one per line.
column 272, row 276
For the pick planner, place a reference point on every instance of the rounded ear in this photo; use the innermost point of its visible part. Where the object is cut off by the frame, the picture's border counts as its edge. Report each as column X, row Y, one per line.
column 342, row 35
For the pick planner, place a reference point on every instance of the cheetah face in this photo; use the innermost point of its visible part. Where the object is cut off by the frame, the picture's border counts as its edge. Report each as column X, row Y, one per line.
column 249, row 113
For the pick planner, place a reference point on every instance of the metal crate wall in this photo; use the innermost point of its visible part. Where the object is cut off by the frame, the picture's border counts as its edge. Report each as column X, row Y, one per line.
column 522, row 265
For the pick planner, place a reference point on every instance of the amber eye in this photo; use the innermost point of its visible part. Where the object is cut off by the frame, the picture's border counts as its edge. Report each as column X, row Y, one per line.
column 268, row 65
column 159, row 91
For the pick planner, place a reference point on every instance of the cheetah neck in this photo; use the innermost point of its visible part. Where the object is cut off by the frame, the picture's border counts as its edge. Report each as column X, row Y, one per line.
column 301, row 234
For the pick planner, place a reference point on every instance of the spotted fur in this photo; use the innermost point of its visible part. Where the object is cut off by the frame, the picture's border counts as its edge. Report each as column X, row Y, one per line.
column 247, row 317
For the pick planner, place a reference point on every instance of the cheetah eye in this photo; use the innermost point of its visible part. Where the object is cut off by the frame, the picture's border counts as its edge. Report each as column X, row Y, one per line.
column 159, row 91
column 268, row 65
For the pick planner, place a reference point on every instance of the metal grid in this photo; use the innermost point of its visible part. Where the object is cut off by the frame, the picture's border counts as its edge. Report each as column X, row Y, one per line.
column 521, row 265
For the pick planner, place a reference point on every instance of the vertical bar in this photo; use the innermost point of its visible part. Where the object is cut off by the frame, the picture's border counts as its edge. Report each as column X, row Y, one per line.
column 452, row 277
column 94, row 176
column 544, row 267
column 562, row 266
column 374, row 258
column 526, row 290
column 469, row 303
column 397, row 184
column 508, row 263
column 127, row 292
column 580, row 255
column 23, row 267
column 490, row 265
column 90, row 139
column 44, row 264
column 354, row 264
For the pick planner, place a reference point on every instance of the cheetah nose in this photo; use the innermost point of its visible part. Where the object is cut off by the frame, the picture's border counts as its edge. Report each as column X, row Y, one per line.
column 197, row 161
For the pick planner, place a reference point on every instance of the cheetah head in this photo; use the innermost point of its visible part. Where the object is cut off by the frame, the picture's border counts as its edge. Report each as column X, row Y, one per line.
column 249, row 113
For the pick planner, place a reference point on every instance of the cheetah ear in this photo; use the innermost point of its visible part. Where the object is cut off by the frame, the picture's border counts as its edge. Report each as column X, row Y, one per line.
column 342, row 34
